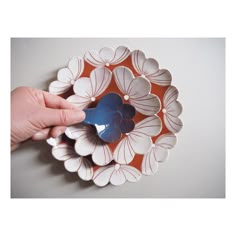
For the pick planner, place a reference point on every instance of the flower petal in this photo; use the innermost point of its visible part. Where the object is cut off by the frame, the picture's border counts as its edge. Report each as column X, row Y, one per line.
column 161, row 77
column 170, row 96
column 131, row 174
column 76, row 66
column 123, row 78
column 149, row 163
column 173, row 124
column 138, row 141
column 85, row 171
column 166, row 141
column 138, row 88
column 102, row 175
column 151, row 126
column 118, row 177
column 73, row 164
column 63, row 152
column 64, row 75
column 138, row 59
column 121, row 54
column 102, row 154
column 124, row 152
column 127, row 126
column 58, row 87
column 150, row 67
column 93, row 58
column 80, row 102
column 89, row 88
column 148, row 105
column 78, row 130
column 106, row 55
column 139, row 138
column 174, row 108
column 85, row 144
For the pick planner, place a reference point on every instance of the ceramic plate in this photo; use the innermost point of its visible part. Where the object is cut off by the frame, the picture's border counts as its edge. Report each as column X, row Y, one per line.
column 132, row 116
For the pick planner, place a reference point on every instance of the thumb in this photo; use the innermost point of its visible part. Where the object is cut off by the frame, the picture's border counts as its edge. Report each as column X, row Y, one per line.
column 54, row 117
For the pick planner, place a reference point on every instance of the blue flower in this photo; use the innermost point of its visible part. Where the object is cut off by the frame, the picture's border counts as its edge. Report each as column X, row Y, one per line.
column 111, row 117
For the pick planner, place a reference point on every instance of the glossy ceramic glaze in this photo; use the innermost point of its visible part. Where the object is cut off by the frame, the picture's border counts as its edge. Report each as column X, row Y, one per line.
column 132, row 115
column 111, row 117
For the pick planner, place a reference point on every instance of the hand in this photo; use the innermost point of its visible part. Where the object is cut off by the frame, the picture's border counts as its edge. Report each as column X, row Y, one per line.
column 38, row 115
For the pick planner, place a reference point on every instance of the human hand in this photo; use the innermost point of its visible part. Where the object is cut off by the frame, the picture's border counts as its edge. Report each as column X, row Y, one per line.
column 38, row 115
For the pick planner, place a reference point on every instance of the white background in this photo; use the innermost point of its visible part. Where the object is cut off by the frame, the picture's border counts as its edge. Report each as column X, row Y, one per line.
column 196, row 167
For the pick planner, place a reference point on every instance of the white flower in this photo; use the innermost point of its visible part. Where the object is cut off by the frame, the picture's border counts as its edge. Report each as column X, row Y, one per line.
column 87, row 89
column 138, row 141
column 158, row 153
column 88, row 142
column 115, row 174
column 107, row 56
column 149, row 68
column 66, row 77
column 72, row 161
column 137, row 91
column 171, row 110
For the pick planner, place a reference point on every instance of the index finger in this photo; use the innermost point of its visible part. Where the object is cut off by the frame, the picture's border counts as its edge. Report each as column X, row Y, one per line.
column 54, row 101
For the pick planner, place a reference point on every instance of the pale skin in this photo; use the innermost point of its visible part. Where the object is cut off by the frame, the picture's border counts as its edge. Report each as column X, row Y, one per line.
column 38, row 115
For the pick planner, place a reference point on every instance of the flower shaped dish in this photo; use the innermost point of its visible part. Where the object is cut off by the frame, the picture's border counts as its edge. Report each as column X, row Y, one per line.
column 132, row 116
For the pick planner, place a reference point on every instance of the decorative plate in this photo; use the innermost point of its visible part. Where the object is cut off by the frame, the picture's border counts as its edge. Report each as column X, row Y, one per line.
column 131, row 116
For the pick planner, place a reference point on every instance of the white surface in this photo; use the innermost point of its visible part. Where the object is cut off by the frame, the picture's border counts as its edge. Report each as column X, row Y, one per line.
column 196, row 167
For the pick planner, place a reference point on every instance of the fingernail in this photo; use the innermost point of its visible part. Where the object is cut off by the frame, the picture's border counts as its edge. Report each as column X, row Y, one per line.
column 59, row 132
column 39, row 136
column 79, row 116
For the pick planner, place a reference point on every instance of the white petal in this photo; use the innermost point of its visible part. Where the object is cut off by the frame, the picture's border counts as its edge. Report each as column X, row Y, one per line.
column 173, row 124
column 102, row 154
column 93, row 58
column 100, row 79
column 92, row 87
column 121, row 54
column 161, row 77
column 76, row 66
column 85, row 144
column 73, row 164
column 118, row 177
column 150, row 67
column 85, row 171
column 131, row 174
column 138, row 59
column 150, row 126
column 138, row 88
column 80, row 102
column 123, row 78
column 83, row 88
column 57, row 87
column 124, row 152
column 106, row 55
column 102, row 175
column 166, row 141
column 174, row 108
column 63, row 152
column 139, row 142
column 149, row 163
column 148, row 105
column 76, row 131
column 161, row 154
column 170, row 96
column 64, row 75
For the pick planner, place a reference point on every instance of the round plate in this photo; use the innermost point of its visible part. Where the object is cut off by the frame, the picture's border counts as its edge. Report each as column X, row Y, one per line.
column 139, row 82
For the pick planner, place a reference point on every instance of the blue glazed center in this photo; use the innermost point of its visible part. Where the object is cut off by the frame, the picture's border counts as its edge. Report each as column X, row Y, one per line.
column 111, row 117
